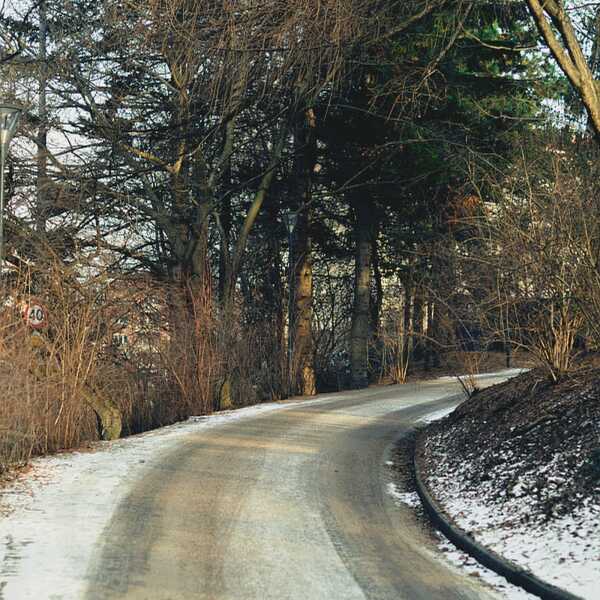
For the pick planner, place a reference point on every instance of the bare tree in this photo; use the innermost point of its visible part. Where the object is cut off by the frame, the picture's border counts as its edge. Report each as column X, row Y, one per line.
column 522, row 271
column 557, row 27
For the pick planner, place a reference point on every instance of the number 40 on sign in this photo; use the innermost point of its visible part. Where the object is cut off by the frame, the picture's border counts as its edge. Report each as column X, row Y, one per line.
column 35, row 314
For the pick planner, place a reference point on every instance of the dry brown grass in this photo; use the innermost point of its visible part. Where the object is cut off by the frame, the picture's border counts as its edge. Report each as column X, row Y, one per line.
column 57, row 384
column 119, row 356
column 43, row 376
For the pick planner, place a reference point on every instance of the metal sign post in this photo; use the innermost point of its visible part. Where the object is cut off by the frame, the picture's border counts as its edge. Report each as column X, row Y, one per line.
column 9, row 119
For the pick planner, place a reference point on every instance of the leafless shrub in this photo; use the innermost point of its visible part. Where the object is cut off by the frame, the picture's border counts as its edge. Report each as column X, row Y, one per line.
column 524, row 257
column 53, row 380
column 396, row 341
column 404, row 326
column 117, row 355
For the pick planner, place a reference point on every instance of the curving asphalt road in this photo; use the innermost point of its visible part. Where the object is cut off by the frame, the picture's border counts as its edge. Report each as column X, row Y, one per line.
column 287, row 505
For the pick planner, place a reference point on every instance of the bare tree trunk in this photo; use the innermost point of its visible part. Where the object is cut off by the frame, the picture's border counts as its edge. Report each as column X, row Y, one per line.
column 225, row 216
column 360, row 333
column 303, row 379
column 110, row 421
column 427, row 342
column 196, row 258
column 418, row 318
column 407, row 344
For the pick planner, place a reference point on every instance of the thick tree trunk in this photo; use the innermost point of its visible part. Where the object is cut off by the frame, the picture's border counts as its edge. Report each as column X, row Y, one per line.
column 407, row 337
column 360, row 333
column 197, row 259
column 107, row 412
column 418, row 318
column 224, row 250
column 303, row 379
column 432, row 354
column 303, row 373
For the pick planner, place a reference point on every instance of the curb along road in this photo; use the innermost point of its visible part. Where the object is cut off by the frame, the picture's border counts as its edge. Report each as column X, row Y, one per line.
column 512, row 572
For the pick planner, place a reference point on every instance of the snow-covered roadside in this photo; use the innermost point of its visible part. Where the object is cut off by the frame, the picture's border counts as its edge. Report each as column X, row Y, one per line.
column 458, row 559
column 56, row 512
column 467, row 564
column 564, row 552
column 519, row 481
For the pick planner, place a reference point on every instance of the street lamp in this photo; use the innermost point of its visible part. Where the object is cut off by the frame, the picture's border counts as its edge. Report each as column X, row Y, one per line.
column 290, row 218
column 9, row 119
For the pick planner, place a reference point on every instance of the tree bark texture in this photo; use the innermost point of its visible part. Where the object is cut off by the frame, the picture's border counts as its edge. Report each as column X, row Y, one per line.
column 407, row 341
column 361, row 331
column 303, row 372
column 109, row 416
column 303, row 379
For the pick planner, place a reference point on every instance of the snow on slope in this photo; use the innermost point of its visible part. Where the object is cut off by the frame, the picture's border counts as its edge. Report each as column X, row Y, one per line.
column 458, row 559
column 512, row 475
column 564, row 551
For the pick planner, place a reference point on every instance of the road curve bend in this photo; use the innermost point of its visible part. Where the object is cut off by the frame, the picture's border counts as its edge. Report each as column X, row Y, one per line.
column 287, row 505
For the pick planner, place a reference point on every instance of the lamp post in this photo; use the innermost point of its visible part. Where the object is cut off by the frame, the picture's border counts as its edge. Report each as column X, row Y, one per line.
column 290, row 218
column 9, row 119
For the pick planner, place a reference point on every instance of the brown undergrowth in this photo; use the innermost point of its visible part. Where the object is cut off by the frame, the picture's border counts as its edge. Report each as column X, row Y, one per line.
column 117, row 356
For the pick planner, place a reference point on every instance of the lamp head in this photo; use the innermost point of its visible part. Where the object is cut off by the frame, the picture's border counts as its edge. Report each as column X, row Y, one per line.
column 9, row 119
column 290, row 218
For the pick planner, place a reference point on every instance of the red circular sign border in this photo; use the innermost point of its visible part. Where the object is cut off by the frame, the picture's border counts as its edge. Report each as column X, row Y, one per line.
column 25, row 314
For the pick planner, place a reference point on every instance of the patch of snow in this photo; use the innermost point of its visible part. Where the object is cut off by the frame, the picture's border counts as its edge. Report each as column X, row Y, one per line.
column 564, row 551
column 459, row 559
column 60, row 508
column 409, row 498
column 468, row 564
column 437, row 415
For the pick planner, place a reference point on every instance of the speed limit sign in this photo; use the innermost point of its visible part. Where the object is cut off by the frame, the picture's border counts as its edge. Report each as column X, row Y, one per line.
column 35, row 315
